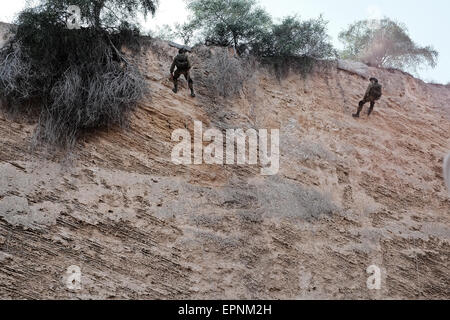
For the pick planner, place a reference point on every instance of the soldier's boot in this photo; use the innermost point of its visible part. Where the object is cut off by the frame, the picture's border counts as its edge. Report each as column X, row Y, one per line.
column 360, row 107
column 175, row 88
column 370, row 109
column 191, row 86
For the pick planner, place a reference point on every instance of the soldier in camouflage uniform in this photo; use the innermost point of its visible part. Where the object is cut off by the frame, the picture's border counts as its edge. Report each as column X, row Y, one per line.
column 183, row 65
column 373, row 93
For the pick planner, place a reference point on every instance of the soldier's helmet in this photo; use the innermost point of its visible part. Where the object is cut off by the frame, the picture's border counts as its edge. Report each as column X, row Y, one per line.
column 182, row 50
column 374, row 80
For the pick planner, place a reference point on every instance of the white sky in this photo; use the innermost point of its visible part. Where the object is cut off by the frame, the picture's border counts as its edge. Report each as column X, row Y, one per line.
column 427, row 21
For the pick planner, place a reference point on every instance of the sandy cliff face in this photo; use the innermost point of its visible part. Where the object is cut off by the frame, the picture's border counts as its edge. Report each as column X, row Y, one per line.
column 349, row 194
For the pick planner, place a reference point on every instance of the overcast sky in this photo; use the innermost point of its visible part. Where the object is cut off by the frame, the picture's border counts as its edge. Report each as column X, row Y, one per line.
column 427, row 21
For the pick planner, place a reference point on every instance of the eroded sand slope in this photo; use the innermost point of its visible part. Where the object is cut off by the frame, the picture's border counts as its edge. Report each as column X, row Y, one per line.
column 349, row 194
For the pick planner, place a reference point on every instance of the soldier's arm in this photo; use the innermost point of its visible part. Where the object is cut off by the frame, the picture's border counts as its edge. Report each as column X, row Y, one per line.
column 368, row 90
column 172, row 67
column 189, row 63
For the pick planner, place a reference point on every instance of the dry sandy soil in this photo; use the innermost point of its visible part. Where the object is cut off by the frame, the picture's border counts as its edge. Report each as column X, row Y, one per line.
column 349, row 194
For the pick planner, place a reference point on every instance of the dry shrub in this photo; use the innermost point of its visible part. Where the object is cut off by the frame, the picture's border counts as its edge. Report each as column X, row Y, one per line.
column 15, row 73
column 226, row 73
column 108, row 98
column 74, row 80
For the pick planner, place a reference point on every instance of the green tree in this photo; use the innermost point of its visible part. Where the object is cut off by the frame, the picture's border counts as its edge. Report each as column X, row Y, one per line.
column 165, row 32
column 228, row 22
column 103, row 13
column 185, row 32
column 293, row 37
column 385, row 43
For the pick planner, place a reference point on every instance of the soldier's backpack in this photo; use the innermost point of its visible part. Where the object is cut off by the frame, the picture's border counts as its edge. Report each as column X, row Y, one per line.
column 181, row 61
column 376, row 91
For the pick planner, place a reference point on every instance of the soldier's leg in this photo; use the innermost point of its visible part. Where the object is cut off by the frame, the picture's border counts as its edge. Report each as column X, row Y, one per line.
column 360, row 107
column 176, row 75
column 372, row 104
column 187, row 75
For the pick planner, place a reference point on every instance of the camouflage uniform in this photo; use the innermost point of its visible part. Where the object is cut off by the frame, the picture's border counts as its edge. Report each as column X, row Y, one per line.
column 370, row 96
column 182, row 58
